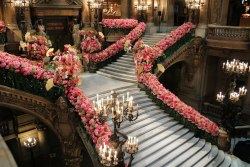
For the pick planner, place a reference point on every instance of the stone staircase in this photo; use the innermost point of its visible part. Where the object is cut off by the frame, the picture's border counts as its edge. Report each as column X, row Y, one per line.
column 123, row 69
column 165, row 142
column 162, row 140
column 153, row 38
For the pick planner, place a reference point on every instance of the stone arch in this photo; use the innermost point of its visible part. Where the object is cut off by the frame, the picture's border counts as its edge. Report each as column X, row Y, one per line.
column 55, row 115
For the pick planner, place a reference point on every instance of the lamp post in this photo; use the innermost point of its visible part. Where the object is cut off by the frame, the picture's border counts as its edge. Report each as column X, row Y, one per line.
column 120, row 111
column 193, row 7
column 96, row 5
column 30, row 143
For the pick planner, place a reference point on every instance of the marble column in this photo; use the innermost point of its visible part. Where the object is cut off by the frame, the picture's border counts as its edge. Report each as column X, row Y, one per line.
column 203, row 20
column 224, row 12
column 151, row 11
column 85, row 13
column 124, row 9
column 169, row 12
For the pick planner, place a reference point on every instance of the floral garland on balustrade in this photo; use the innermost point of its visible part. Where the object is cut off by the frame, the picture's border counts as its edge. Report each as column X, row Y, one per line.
column 119, row 45
column 98, row 133
column 36, row 46
column 144, row 59
column 119, row 23
column 168, row 98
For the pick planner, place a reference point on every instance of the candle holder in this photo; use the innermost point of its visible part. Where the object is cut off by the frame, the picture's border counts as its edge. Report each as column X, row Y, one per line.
column 120, row 110
column 232, row 100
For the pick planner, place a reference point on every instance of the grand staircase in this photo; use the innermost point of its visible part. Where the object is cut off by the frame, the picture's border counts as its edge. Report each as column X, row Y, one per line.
column 162, row 140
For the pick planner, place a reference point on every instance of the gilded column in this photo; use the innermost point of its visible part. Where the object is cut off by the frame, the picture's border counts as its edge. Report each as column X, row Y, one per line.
column 85, row 13
column 151, row 11
column 168, row 12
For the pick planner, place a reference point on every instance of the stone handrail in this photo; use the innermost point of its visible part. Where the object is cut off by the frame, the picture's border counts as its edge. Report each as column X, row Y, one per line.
column 230, row 37
column 228, row 33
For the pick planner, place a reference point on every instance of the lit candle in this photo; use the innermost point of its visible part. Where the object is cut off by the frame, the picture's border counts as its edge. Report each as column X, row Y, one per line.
column 127, row 95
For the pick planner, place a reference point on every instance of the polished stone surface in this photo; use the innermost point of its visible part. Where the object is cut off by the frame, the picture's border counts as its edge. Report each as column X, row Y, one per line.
column 92, row 83
column 6, row 158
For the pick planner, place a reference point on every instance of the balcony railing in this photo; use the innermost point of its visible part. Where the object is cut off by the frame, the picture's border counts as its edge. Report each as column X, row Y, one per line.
column 228, row 37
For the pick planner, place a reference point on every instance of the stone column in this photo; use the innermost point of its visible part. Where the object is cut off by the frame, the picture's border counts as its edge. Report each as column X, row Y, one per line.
column 203, row 20
column 151, row 11
column 224, row 12
column 170, row 12
column 124, row 9
column 85, row 13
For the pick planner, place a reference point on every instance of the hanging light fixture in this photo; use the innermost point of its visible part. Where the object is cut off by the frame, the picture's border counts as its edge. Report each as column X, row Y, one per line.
column 194, row 4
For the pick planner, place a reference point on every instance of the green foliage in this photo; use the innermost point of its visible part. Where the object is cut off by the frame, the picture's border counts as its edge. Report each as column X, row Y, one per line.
column 29, row 84
column 172, row 49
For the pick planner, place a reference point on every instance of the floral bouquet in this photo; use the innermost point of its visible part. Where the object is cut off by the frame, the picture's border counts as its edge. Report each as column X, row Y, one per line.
column 2, row 32
column 36, row 46
column 67, row 66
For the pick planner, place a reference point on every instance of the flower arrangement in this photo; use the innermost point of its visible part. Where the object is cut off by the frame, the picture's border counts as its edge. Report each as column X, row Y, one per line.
column 36, row 46
column 119, row 23
column 119, row 45
column 168, row 98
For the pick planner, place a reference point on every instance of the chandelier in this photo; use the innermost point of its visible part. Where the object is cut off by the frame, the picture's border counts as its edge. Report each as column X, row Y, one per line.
column 17, row 3
column 142, row 6
column 96, row 4
column 194, row 4
column 120, row 110
column 234, row 68
column 30, row 142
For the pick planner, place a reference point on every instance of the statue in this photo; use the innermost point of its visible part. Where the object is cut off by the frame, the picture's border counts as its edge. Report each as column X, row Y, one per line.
column 40, row 28
column 75, row 33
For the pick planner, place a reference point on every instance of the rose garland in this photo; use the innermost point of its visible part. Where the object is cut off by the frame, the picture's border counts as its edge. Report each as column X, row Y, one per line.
column 119, row 23
column 98, row 133
column 144, row 58
column 119, row 45
column 168, row 98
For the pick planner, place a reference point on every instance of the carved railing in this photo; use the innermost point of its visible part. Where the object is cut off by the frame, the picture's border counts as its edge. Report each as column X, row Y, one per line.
column 228, row 36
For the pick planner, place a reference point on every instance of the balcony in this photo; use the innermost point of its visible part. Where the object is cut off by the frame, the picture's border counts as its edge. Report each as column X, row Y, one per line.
column 228, row 37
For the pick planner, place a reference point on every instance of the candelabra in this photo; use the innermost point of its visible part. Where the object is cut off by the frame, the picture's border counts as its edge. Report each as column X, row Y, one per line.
column 21, row 6
column 95, row 6
column 231, row 98
column 120, row 111
column 142, row 10
column 193, row 7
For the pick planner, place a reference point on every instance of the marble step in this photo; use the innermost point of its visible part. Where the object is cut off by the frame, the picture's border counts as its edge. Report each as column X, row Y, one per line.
column 169, row 156
column 110, row 68
column 219, row 159
column 124, row 65
column 185, row 156
column 199, row 155
column 119, row 74
column 121, row 67
column 121, row 78
column 128, row 58
column 126, row 62
column 208, row 158
column 226, row 162
column 159, row 149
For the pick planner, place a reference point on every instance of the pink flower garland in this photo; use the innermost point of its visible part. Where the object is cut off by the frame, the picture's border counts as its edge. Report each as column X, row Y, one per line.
column 119, row 23
column 119, row 45
column 98, row 133
column 145, row 56
column 168, row 98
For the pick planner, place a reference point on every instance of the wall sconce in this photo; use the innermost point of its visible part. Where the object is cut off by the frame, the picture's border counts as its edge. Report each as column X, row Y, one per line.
column 155, row 6
column 194, row 4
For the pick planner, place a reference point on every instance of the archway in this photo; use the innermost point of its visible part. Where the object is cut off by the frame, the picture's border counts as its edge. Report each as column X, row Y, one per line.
column 55, row 116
